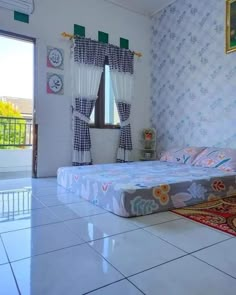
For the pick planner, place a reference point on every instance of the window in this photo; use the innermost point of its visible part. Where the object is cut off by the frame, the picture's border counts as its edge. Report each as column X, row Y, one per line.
column 105, row 114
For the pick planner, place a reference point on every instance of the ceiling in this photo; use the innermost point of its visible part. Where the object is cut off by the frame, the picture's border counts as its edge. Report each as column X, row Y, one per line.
column 144, row 7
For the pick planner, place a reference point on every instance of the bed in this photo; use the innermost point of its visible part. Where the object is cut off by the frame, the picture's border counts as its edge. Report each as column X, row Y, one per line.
column 141, row 188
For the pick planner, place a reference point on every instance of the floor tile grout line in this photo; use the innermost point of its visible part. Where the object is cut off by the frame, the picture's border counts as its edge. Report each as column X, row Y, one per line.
column 135, row 286
column 205, row 225
column 48, row 252
column 214, row 267
column 73, row 232
column 13, row 274
column 99, row 288
column 43, row 186
column 63, row 248
column 229, row 238
column 78, row 245
column 107, row 285
column 94, row 250
column 134, row 274
column 55, row 196
column 195, row 222
column 87, row 242
column 166, row 241
column 158, row 265
column 51, row 206
column 35, row 226
column 24, row 228
column 125, row 232
column 34, row 209
column 59, row 205
column 79, row 217
column 101, row 256
column 1, row 241
column 59, row 221
column 178, row 259
column 113, row 235
column 107, row 260
column 54, row 222
column 209, row 246
column 22, row 186
column 49, row 195
column 167, row 221
column 47, row 206
column 82, row 202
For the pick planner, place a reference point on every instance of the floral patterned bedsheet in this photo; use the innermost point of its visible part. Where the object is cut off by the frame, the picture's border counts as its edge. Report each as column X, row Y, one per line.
column 140, row 188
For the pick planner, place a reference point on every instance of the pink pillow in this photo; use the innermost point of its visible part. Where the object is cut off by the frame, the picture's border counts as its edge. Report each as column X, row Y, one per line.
column 181, row 155
column 222, row 158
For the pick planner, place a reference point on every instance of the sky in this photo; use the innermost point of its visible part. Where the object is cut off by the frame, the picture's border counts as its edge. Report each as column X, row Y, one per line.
column 16, row 68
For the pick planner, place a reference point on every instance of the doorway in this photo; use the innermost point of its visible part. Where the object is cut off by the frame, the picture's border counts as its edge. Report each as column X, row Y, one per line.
column 17, row 128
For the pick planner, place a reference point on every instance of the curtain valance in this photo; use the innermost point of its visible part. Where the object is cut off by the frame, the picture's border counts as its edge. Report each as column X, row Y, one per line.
column 120, row 59
column 89, row 52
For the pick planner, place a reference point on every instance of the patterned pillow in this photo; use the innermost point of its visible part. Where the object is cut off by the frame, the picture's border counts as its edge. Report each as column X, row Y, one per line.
column 184, row 155
column 222, row 158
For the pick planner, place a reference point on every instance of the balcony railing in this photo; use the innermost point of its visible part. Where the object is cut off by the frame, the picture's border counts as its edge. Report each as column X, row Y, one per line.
column 15, row 132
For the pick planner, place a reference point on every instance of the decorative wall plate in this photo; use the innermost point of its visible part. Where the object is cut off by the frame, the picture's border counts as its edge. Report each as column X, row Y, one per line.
column 55, row 58
column 55, row 83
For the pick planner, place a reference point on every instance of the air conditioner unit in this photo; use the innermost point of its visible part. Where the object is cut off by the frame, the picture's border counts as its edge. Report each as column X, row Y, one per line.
column 25, row 6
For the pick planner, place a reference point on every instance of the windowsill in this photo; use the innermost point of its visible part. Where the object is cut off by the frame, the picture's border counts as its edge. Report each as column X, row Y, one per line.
column 105, row 127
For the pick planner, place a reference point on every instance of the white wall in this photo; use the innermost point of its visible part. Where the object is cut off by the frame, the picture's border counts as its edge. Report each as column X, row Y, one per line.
column 15, row 160
column 53, row 112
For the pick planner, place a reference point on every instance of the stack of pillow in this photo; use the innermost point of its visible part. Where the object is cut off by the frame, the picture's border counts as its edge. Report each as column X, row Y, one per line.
column 222, row 158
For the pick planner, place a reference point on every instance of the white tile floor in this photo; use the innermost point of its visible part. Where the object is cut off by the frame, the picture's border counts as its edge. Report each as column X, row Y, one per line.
column 56, row 243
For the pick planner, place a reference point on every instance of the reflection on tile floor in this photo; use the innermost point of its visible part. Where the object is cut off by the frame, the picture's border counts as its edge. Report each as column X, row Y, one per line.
column 3, row 256
column 7, row 283
column 38, row 240
column 53, row 242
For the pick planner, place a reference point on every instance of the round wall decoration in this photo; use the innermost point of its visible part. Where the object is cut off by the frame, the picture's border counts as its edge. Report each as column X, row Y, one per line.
column 55, row 84
column 55, row 58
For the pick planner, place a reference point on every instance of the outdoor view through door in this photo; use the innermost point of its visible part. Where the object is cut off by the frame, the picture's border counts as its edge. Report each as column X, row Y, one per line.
column 16, row 106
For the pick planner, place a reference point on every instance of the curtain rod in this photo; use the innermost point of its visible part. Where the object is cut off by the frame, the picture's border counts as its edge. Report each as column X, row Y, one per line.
column 70, row 36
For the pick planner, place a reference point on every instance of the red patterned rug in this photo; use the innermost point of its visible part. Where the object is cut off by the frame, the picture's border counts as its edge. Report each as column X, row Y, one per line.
column 219, row 214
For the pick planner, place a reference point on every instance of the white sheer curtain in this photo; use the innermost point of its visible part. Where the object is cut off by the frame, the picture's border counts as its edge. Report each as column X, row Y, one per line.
column 86, row 80
column 123, row 86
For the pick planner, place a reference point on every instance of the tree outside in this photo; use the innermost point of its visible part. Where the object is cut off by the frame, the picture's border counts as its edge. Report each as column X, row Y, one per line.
column 12, row 127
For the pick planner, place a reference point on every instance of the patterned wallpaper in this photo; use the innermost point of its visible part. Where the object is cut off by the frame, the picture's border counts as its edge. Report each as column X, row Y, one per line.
column 193, row 80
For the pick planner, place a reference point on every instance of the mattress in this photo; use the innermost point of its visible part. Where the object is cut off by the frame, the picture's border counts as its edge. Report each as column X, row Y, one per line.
column 141, row 188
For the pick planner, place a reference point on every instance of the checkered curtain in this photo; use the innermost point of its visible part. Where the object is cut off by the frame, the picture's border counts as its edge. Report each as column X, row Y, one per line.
column 88, row 62
column 121, row 63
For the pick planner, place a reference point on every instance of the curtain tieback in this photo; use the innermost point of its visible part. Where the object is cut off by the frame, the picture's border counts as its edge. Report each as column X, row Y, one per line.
column 81, row 117
column 124, row 123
